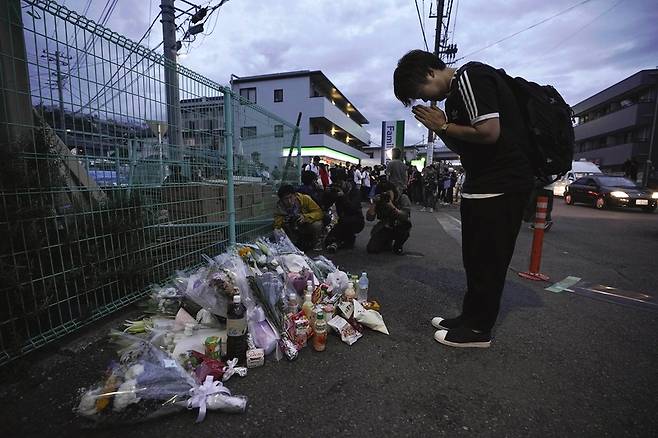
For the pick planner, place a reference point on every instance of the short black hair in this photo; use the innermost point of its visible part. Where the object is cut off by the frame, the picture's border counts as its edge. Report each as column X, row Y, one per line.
column 397, row 153
column 285, row 190
column 316, row 158
column 411, row 72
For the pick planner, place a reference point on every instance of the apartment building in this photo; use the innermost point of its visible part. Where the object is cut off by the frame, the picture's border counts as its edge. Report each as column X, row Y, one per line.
column 615, row 125
column 331, row 126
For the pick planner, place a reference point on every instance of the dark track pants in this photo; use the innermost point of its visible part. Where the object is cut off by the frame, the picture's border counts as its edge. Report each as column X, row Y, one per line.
column 344, row 232
column 383, row 238
column 489, row 230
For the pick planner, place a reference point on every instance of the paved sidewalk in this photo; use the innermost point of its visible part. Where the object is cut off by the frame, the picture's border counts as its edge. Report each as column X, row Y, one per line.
column 559, row 366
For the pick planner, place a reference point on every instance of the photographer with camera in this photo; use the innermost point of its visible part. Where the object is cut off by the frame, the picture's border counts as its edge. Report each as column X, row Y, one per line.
column 299, row 216
column 347, row 198
column 394, row 213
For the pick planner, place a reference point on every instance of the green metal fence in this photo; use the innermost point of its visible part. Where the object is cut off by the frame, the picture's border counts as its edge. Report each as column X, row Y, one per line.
column 118, row 167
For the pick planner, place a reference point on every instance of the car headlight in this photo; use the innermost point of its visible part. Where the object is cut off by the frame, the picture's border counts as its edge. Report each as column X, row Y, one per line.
column 619, row 194
column 654, row 195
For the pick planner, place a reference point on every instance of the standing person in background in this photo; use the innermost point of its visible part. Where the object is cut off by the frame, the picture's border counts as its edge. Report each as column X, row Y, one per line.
column 430, row 186
column 325, row 178
column 396, row 171
column 484, row 124
column 314, row 166
column 358, row 177
column 416, row 186
column 452, row 179
column 365, row 186
column 458, row 185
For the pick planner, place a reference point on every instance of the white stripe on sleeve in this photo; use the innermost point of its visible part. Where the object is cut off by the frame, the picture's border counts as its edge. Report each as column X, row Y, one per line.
column 469, row 92
column 467, row 103
column 479, row 119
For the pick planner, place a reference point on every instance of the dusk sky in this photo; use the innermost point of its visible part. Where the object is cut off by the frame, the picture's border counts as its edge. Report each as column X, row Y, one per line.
column 357, row 43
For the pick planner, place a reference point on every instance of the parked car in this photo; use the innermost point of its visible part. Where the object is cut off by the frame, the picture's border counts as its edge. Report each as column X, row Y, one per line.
column 603, row 191
column 579, row 169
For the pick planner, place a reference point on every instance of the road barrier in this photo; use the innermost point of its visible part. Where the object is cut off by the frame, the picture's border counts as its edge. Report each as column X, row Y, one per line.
column 537, row 242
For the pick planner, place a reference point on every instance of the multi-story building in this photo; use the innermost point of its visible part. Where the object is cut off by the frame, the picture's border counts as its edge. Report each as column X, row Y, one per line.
column 202, row 122
column 615, row 125
column 331, row 126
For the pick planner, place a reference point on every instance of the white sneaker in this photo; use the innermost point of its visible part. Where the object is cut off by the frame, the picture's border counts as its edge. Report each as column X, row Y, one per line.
column 423, row 209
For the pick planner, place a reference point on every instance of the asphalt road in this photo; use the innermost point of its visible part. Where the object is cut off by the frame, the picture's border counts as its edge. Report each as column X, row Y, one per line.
column 561, row 364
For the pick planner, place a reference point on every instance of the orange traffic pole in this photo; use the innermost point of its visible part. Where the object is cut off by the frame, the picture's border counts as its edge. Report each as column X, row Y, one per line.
column 537, row 242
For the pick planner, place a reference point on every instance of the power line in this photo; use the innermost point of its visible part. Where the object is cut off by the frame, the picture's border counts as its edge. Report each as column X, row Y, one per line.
column 523, row 30
column 105, row 86
column 582, row 27
column 422, row 28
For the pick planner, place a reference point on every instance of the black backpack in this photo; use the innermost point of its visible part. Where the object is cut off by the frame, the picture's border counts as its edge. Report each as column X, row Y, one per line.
column 548, row 119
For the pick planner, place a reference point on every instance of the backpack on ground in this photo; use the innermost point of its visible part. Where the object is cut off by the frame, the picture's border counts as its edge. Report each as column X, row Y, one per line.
column 548, row 119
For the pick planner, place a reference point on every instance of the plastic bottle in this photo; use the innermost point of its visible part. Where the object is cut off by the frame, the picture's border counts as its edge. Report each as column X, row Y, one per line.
column 236, row 330
column 293, row 303
column 320, row 337
column 307, row 307
column 349, row 293
column 362, row 294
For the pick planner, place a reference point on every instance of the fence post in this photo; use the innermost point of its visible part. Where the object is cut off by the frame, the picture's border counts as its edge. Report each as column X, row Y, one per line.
column 537, row 242
column 230, row 185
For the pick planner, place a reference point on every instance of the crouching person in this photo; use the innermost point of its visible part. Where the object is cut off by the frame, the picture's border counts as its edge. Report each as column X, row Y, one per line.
column 394, row 213
column 347, row 198
column 299, row 216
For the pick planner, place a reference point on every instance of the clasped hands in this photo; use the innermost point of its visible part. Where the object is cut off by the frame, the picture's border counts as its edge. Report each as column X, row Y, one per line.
column 432, row 117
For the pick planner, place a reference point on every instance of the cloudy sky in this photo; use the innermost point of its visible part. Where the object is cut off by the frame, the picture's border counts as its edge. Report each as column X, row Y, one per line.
column 357, row 43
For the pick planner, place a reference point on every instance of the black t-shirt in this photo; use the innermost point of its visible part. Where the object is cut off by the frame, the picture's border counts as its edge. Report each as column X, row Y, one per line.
column 478, row 92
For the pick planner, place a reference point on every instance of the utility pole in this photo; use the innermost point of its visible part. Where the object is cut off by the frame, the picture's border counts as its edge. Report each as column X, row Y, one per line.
column 16, row 118
column 171, row 79
column 437, row 49
column 60, row 60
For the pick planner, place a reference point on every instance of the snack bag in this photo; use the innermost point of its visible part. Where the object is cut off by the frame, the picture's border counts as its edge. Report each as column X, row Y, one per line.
column 348, row 334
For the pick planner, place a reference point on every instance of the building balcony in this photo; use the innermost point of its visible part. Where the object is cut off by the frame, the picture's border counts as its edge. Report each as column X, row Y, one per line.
column 322, row 107
column 324, row 140
column 619, row 120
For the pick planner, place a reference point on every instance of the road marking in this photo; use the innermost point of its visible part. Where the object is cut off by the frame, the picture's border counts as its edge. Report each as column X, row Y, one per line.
column 452, row 226
column 563, row 285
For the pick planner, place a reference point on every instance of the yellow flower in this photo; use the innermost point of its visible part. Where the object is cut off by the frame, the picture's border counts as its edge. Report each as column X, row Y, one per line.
column 244, row 251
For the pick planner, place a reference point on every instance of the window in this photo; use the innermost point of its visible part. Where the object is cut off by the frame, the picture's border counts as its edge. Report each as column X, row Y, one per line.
column 278, row 130
column 248, row 131
column 278, row 95
column 248, row 94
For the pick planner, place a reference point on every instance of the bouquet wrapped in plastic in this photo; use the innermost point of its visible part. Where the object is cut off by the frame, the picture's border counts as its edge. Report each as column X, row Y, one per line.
column 165, row 299
column 197, row 288
column 280, row 244
column 322, row 267
column 147, row 383
column 237, row 270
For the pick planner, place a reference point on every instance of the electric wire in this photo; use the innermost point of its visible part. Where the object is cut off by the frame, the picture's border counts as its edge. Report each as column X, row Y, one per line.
column 105, row 86
column 422, row 28
column 564, row 11
column 582, row 27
